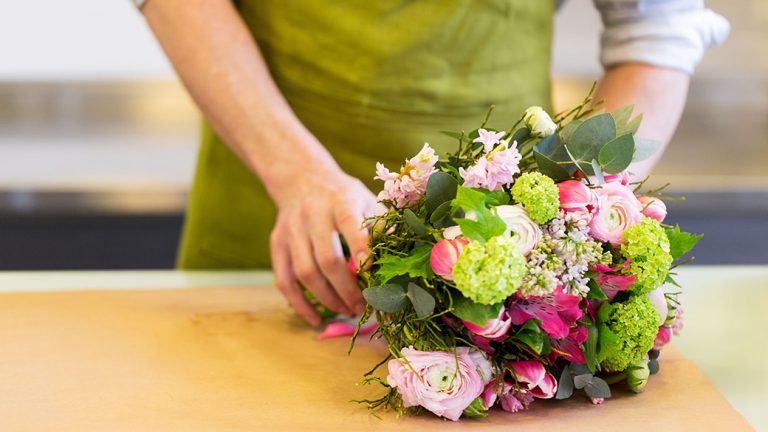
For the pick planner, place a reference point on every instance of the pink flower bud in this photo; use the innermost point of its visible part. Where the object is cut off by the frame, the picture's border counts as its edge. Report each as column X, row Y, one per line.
column 653, row 207
column 534, row 378
column 575, row 196
column 444, row 255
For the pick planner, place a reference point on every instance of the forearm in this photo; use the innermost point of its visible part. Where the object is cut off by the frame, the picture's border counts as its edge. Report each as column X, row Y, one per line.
column 220, row 64
column 658, row 93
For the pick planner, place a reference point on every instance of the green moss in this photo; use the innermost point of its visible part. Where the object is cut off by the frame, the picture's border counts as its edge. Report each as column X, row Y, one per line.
column 489, row 272
column 539, row 196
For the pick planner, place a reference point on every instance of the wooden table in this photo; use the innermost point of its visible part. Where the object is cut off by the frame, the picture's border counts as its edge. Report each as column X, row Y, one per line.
column 160, row 351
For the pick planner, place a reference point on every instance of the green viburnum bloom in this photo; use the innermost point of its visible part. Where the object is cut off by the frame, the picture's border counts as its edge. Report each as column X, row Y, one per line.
column 647, row 247
column 637, row 375
column 539, row 196
column 489, row 272
column 635, row 324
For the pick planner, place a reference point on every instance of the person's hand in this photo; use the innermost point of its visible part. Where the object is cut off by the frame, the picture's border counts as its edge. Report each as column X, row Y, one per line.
column 317, row 206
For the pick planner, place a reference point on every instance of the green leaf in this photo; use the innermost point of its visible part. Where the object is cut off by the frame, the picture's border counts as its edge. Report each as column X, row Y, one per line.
column 441, row 188
column 607, row 343
column 564, row 385
column 414, row 222
column 475, row 313
column 495, row 198
column 616, row 154
column 581, row 381
column 530, row 334
column 550, row 168
column 598, row 388
column 388, row 298
column 422, row 301
column 595, row 292
column 622, row 115
column 644, row 149
column 588, row 139
column 520, row 135
column 590, row 348
column 604, row 313
column 670, row 280
column 486, row 224
column 680, row 242
column 553, row 148
column 415, row 264
column 476, row 409
column 440, row 212
column 653, row 366
column 459, row 136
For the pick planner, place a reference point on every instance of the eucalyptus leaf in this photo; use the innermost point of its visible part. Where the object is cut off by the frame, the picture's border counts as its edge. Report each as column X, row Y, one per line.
column 550, row 168
column 598, row 388
column 422, row 301
column 441, row 188
column 583, row 380
column 653, row 366
column 617, row 154
column 644, row 149
column 567, row 131
column 440, row 212
column 588, row 139
column 622, row 116
column 564, row 385
column 414, row 222
column 598, row 172
column 388, row 298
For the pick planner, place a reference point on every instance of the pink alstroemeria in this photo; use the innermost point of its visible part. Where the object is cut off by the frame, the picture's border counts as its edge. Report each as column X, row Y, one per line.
column 557, row 312
column 406, row 187
column 513, row 400
column 570, row 347
column 533, row 378
column 494, row 329
column 444, row 255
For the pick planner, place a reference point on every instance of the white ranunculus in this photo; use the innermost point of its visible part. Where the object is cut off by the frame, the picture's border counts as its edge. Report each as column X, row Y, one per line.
column 520, row 226
column 659, row 301
column 539, row 122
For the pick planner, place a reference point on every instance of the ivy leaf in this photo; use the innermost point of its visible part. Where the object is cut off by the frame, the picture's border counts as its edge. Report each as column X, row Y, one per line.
column 388, row 298
column 441, row 188
column 680, row 243
column 590, row 137
column 616, row 155
column 564, row 385
column 598, row 388
column 486, row 224
column 530, row 334
column 422, row 301
column 475, row 313
column 415, row 264
column 414, row 222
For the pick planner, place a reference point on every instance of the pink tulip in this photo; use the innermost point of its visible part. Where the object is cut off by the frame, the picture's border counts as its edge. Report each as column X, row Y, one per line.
column 494, row 329
column 575, row 196
column 653, row 208
column 618, row 210
column 533, row 378
column 489, row 395
column 444, row 255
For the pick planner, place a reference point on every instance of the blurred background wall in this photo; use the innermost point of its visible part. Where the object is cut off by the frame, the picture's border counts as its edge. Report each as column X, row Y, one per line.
column 98, row 139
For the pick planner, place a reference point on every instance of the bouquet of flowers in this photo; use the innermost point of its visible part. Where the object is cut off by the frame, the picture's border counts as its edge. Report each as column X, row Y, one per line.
column 524, row 266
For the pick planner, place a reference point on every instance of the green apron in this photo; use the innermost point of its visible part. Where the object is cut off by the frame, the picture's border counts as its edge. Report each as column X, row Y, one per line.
column 373, row 80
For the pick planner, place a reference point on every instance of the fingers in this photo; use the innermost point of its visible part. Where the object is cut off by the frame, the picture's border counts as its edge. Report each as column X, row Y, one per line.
column 330, row 257
column 350, row 225
column 309, row 273
column 286, row 283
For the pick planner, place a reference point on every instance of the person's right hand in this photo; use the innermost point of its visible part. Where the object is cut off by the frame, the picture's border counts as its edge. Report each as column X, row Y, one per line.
column 313, row 209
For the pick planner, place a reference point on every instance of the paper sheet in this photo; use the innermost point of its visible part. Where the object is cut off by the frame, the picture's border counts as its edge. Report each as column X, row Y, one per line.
column 235, row 359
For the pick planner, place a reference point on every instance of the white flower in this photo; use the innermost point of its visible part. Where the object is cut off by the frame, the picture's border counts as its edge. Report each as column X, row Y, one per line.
column 523, row 230
column 539, row 122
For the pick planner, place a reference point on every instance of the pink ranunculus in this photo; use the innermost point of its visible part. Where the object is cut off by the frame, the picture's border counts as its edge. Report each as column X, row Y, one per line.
column 677, row 327
column 653, row 207
column 494, row 329
column 444, row 383
column 575, row 196
column 533, row 378
column 618, row 210
column 570, row 347
column 662, row 337
column 557, row 312
column 444, row 255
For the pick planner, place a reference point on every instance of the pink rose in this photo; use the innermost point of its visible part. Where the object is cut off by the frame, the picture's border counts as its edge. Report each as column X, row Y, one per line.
column 662, row 338
column 654, row 208
column 444, row 255
column 618, row 210
column 444, row 383
column 576, row 196
column 494, row 329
